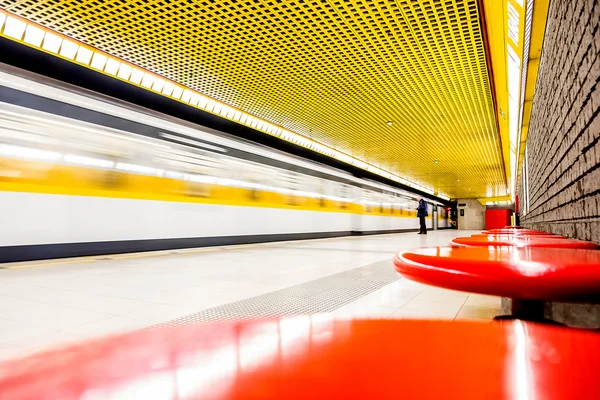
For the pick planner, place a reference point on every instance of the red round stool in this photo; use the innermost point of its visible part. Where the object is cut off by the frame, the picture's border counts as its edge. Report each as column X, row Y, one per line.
column 318, row 358
column 529, row 276
column 516, row 236
column 522, row 242
column 514, row 232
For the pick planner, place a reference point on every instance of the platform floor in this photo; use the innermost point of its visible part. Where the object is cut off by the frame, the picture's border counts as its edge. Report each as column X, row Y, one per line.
column 54, row 302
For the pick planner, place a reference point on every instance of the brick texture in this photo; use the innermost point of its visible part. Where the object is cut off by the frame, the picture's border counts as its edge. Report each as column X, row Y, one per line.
column 563, row 147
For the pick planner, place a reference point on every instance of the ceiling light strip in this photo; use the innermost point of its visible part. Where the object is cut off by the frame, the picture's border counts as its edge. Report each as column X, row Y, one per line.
column 44, row 39
column 524, row 64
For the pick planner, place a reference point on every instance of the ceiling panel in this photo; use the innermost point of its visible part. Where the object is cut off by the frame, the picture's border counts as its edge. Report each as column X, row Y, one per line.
column 335, row 71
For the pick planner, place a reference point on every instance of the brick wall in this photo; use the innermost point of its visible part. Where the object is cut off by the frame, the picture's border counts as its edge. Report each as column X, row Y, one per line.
column 562, row 145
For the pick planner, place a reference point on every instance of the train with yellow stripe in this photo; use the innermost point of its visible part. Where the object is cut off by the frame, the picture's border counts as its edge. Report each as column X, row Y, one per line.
column 82, row 175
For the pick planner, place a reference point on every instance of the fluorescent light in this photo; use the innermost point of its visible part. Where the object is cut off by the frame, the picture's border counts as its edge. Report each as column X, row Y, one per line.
column 187, row 95
column 34, row 35
column 237, row 115
column 98, row 61
column 14, row 28
column 177, row 92
column 203, row 102
column 217, row 109
column 68, row 49
column 136, row 76
column 2, row 19
column 194, row 99
column 112, row 66
column 514, row 18
column 125, row 71
column 52, row 43
column 147, row 80
column 84, row 55
column 158, row 85
column 210, row 105
column 168, row 89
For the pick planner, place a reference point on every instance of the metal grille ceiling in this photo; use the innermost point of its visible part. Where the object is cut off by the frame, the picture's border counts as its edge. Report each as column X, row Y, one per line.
column 335, row 71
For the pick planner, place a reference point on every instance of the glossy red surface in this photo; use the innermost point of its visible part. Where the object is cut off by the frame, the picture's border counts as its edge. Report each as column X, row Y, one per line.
column 570, row 275
column 523, row 242
column 318, row 358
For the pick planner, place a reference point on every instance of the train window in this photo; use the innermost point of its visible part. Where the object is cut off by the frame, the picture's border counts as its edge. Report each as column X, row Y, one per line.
column 320, row 187
column 111, row 179
column 195, row 189
column 292, row 200
column 342, row 190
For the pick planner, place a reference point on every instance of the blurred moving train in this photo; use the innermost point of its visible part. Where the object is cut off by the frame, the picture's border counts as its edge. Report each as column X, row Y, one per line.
column 85, row 175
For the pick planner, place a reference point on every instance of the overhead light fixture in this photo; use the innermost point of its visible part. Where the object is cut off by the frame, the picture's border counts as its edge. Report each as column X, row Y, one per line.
column 68, row 49
column 52, row 43
column 14, row 28
column 389, row 123
column 34, row 35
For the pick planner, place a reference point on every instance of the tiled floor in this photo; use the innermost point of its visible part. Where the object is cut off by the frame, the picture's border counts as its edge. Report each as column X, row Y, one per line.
column 49, row 303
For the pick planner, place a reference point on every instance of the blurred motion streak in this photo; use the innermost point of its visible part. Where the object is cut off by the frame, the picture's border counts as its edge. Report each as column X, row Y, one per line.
column 43, row 155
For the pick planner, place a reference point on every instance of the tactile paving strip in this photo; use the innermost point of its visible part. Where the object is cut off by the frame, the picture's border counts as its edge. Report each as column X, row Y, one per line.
column 317, row 296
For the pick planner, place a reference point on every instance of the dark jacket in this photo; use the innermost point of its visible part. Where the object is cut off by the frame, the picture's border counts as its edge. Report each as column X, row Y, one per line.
column 422, row 209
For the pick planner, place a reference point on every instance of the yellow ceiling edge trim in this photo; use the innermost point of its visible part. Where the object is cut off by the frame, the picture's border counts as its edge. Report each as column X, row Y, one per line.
column 515, row 31
column 500, row 200
column 538, row 31
column 494, row 12
column 33, row 35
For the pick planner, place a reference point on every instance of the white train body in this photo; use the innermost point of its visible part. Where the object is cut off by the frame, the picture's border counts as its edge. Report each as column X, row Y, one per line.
column 72, row 185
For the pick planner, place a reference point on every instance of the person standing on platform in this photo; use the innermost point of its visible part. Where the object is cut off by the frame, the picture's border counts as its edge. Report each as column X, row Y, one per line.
column 422, row 212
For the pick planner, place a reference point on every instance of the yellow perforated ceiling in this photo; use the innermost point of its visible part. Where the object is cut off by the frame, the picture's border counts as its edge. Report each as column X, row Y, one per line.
column 335, row 71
